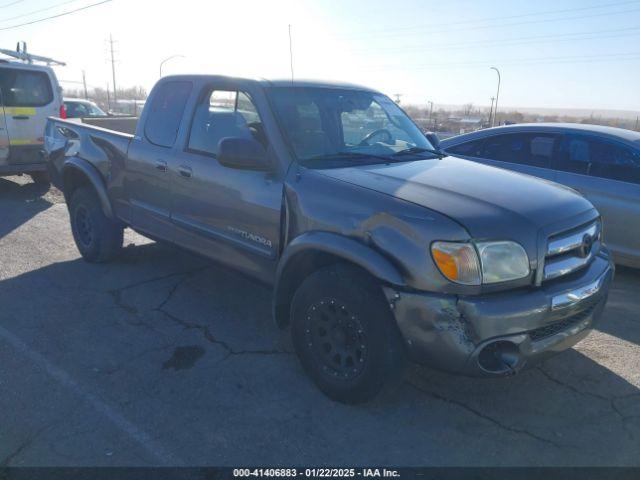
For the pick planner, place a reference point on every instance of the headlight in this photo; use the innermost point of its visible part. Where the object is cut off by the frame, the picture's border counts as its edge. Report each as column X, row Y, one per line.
column 502, row 261
column 486, row 262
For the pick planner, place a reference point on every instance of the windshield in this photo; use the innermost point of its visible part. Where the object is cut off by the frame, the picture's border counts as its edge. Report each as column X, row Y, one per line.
column 328, row 125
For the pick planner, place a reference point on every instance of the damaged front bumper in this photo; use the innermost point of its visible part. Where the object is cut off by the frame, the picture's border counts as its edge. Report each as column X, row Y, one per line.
column 501, row 333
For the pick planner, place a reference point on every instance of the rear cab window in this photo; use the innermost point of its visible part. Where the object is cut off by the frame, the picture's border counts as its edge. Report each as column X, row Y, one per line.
column 165, row 112
column 25, row 88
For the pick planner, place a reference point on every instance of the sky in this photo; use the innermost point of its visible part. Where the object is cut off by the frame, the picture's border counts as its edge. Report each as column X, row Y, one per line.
column 550, row 53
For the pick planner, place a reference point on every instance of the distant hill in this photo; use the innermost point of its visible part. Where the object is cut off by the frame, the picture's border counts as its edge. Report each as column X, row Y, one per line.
column 570, row 112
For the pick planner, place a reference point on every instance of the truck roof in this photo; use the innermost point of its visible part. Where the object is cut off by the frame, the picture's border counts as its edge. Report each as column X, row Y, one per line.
column 265, row 82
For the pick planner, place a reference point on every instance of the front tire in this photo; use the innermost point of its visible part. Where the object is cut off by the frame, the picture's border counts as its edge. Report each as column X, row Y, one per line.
column 98, row 238
column 345, row 334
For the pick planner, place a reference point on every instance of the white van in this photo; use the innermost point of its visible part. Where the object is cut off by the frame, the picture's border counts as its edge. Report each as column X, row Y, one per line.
column 29, row 93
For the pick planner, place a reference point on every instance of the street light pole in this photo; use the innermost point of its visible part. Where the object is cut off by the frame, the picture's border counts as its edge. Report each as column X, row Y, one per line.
column 430, row 110
column 84, row 84
column 491, row 112
column 495, row 115
column 167, row 59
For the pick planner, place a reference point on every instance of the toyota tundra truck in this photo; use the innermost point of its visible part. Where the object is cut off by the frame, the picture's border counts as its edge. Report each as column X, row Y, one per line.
column 379, row 247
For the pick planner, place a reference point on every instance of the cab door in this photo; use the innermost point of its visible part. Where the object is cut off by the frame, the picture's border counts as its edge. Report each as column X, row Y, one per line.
column 224, row 213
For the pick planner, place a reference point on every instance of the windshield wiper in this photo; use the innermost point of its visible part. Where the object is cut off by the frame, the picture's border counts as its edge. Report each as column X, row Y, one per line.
column 414, row 150
column 355, row 155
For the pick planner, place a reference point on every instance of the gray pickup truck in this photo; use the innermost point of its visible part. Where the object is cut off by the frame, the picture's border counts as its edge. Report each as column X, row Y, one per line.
column 379, row 247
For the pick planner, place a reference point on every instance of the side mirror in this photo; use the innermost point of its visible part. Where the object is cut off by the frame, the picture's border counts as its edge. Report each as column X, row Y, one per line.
column 242, row 154
column 433, row 139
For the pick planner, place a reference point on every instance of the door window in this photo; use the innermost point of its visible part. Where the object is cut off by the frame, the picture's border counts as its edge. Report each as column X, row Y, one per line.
column 224, row 113
column 617, row 162
column 599, row 158
column 24, row 88
column 166, row 110
column 531, row 149
column 574, row 155
column 470, row 149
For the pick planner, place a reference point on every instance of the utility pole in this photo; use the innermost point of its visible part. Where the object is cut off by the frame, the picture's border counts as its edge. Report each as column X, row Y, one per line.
column 108, row 98
column 637, row 119
column 495, row 115
column 397, row 95
column 84, row 84
column 290, row 53
column 430, row 110
column 113, row 71
column 491, row 112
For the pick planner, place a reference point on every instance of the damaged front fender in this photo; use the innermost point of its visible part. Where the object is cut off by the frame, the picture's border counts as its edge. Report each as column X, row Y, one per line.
column 435, row 331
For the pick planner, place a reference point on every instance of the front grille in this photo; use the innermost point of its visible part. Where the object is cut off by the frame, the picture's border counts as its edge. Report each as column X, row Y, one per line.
column 571, row 250
column 560, row 325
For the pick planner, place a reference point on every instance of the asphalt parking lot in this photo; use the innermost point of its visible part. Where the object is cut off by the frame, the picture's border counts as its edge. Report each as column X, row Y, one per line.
column 164, row 358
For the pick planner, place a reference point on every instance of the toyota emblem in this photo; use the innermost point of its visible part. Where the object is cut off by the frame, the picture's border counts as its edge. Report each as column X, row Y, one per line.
column 587, row 244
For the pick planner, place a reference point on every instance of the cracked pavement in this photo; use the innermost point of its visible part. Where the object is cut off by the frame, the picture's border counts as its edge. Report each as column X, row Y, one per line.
column 163, row 358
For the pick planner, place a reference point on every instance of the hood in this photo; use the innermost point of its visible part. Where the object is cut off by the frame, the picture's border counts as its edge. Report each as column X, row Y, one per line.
column 489, row 202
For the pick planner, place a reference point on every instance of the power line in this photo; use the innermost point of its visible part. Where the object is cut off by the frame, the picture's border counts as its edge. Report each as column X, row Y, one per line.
column 37, row 11
column 421, row 28
column 424, row 30
column 11, row 3
column 530, row 22
column 56, row 16
column 562, row 37
column 516, row 61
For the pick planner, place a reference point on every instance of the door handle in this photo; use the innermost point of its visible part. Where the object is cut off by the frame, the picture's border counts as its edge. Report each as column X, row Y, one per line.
column 185, row 171
column 161, row 165
column 21, row 117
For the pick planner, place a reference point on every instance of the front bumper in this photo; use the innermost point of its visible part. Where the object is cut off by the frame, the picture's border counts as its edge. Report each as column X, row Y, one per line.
column 499, row 334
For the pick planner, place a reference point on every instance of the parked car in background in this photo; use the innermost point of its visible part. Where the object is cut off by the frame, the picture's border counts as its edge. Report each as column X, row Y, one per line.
column 377, row 246
column 603, row 163
column 29, row 93
column 126, row 107
column 80, row 108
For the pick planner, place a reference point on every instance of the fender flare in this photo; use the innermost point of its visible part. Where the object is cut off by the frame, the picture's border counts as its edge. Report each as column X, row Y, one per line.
column 335, row 245
column 93, row 176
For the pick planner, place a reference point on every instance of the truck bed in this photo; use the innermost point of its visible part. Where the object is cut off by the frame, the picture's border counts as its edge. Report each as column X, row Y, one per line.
column 103, row 148
column 117, row 124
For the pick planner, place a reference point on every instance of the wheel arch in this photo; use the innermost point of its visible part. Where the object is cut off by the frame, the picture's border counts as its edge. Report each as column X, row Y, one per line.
column 311, row 251
column 77, row 172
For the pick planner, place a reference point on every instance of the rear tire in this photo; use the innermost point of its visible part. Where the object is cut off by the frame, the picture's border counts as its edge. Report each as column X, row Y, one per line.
column 98, row 238
column 345, row 335
column 40, row 178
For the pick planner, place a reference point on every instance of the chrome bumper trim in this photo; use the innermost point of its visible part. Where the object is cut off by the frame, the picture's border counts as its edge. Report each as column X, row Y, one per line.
column 577, row 295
